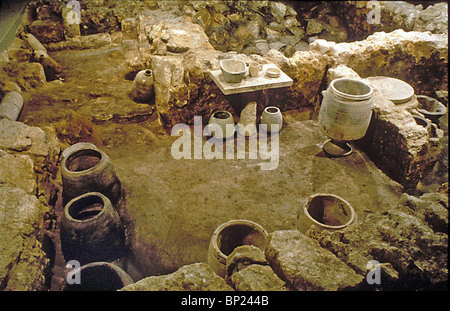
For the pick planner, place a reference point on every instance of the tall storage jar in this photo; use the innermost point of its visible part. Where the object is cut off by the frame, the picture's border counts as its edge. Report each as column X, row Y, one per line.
column 346, row 109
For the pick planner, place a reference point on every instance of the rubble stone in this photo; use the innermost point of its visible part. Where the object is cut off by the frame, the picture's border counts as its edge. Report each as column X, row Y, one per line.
column 23, row 264
column 194, row 277
column 18, row 170
column 305, row 265
column 257, row 278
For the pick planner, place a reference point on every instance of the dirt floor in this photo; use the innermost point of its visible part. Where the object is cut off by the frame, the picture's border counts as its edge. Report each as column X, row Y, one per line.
column 175, row 205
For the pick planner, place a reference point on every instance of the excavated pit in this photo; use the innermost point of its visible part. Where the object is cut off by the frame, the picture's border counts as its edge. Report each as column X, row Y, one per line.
column 171, row 207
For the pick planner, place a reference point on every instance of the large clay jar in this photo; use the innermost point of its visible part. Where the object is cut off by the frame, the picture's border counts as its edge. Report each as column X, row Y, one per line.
column 142, row 89
column 325, row 211
column 98, row 276
column 230, row 235
column 346, row 109
column 91, row 230
column 272, row 117
column 85, row 168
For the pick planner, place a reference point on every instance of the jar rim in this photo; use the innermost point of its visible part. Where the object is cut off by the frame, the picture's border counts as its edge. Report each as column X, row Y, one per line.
column 355, row 97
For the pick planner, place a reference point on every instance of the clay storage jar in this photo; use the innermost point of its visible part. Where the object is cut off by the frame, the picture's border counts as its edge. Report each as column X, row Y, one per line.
column 91, row 230
column 346, row 109
column 272, row 116
column 98, row 276
column 142, row 89
column 225, row 121
column 326, row 212
column 85, row 168
column 230, row 235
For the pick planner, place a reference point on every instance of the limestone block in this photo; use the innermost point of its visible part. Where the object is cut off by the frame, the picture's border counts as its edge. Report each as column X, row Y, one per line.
column 194, row 277
column 18, row 170
column 305, row 265
column 42, row 146
column 23, row 263
column 257, row 278
column 415, row 251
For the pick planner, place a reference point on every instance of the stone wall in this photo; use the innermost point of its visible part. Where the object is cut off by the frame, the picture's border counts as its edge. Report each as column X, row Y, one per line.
column 28, row 165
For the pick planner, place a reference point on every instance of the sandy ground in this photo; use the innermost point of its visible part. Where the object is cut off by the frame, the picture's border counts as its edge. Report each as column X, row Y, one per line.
column 173, row 206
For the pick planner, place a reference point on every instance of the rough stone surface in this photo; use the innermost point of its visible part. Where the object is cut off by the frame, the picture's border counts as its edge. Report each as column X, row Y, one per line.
column 195, row 277
column 305, row 265
column 18, row 170
column 243, row 256
column 23, row 264
column 417, row 253
column 42, row 146
column 257, row 278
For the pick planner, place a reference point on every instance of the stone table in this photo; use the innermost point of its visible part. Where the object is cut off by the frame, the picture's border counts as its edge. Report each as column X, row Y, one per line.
column 251, row 84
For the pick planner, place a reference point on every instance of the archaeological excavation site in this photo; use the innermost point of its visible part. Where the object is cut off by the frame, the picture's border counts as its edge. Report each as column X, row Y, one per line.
column 223, row 145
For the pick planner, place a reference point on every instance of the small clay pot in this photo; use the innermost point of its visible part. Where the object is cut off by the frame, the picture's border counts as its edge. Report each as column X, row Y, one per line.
column 230, row 235
column 326, row 212
column 85, row 168
column 91, row 230
column 272, row 116
column 99, row 276
column 142, row 89
column 431, row 108
column 225, row 121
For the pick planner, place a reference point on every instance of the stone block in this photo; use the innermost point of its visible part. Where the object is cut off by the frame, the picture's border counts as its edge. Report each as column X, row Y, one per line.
column 194, row 277
column 18, row 170
column 257, row 278
column 23, row 264
column 305, row 265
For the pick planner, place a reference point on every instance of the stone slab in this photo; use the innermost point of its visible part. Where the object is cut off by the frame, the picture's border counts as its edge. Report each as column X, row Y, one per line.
column 250, row 84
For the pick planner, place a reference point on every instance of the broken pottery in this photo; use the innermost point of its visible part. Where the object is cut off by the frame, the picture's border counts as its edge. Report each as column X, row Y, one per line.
column 230, row 235
column 431, row 108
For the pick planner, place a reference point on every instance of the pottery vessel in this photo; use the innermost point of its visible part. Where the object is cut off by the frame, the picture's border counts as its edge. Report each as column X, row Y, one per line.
column 346, row 109
column 233, row 70
column 224, row 120
column 85, row 168
column 272, row 116
column 431, row 108
column 142, row 89
column 98, row 276
column 230, row 235
column 91, row 229
column 326, row 212
column 11, row 106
